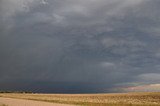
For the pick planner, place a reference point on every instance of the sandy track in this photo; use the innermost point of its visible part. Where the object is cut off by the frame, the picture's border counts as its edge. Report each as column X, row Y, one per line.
column 20, row 102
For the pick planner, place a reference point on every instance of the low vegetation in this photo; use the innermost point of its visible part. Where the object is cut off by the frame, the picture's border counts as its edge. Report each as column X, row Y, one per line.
column 124, row 99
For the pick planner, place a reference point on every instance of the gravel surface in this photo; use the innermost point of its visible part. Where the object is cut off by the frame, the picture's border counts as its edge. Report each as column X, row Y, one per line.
column 20, row 102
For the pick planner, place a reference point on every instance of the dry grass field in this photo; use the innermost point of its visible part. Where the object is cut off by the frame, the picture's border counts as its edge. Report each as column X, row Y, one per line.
column 123, row 99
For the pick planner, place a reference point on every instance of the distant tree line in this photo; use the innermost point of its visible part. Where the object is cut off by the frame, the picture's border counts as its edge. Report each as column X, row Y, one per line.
column 16, row 92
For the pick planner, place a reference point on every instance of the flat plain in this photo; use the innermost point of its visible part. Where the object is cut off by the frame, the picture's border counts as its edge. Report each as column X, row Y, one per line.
column 23, row 102
column 121, row 99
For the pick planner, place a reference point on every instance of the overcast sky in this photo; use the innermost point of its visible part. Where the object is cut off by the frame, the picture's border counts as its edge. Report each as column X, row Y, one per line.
column 74, row 46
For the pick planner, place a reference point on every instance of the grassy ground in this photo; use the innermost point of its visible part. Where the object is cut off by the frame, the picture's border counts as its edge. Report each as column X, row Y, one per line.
column 125, row 99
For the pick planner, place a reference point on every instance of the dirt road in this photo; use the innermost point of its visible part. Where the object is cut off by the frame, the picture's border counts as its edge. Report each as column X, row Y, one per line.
column 20, row 102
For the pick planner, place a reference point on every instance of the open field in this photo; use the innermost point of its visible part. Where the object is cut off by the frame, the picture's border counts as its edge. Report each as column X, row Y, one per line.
column 123, row 99
column 23, row 102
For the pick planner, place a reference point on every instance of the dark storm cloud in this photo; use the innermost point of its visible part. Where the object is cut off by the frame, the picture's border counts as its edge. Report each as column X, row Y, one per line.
column 82, row 45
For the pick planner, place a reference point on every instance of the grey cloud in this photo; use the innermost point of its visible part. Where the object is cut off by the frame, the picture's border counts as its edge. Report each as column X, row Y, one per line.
column 76, row 43
column 149, row 77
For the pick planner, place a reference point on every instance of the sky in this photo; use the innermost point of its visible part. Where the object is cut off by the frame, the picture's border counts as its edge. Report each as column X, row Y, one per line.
column 79, row 46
